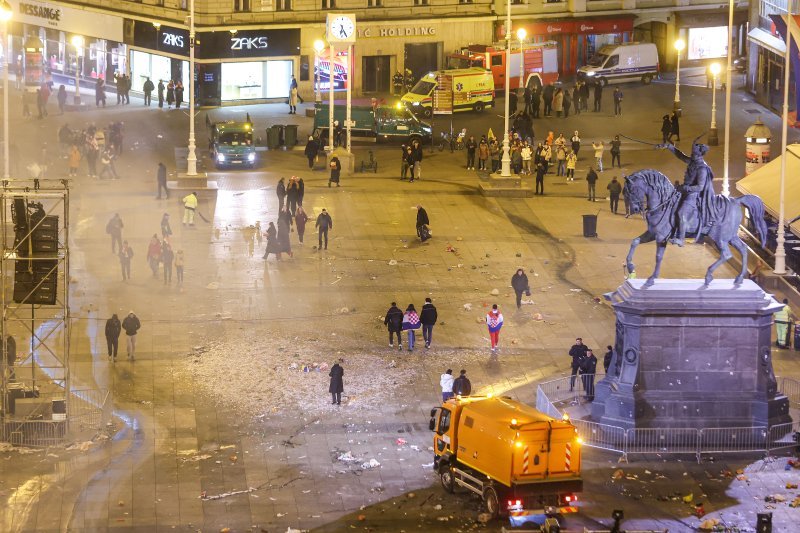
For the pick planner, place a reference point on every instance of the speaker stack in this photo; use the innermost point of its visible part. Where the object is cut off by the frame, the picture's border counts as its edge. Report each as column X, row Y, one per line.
column 36, row 243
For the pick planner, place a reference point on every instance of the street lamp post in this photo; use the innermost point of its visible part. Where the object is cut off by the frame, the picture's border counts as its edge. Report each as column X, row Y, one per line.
column 521, row 34
column 319, row 46
column 191, row 156
column 331, row 55
column 505, row 162
column 713, row 138
column 728, row 83
column 780, row 247
column 77, row 42
column 5, row 16
column 676, row 107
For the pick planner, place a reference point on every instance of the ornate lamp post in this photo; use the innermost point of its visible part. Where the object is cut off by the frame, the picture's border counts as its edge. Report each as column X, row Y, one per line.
column 77, row 42
column 521, row 34
column 713, row 138
column 505, row 162
column 676, row 107
column 191, row 157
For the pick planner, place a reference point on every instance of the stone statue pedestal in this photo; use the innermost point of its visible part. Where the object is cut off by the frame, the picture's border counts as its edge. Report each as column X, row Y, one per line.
column 691, row 357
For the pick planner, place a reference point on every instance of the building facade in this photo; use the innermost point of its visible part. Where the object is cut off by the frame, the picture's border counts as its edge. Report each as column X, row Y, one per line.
column 248, row 50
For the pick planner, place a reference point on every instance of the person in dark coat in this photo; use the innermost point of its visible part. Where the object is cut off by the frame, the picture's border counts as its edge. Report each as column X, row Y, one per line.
column 161, row 93
column 272, row 242
column 161, row 178
column 300, row 219
column 567, row 102
column 394, row 323
column 591, row 180
column 113, row 329
column 336, row 170
column 170, row 93
column 323, row 224
column 100, row 93
column 284, row 228
column 547, row 95
column 588, row 369
column 178, row 94
column 148, row 88
column 675, row 127
column 614, row 190
column 62, row 98
column 540, row 172
column 536, row 103
column 301, row 191
column 519, row 282
column 166, row 229
column 461, row 385
column 585, row 96
column 578, row 353
column 598, row 96
column 336, row 387
column 131, row 326
column 616, row 144
column 607, row 358
column 666, row 129
column 428, row 317
column 528, row 101
column 422, row 224
column 292, row 195
column 311, row 151
column 280, row 191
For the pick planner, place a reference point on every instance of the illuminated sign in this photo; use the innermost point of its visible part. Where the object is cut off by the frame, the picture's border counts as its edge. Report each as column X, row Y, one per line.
column 249, row 43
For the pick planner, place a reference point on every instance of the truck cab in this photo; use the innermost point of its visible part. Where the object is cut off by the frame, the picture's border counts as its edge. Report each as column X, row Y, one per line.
column 231, row 144
column 522, row 463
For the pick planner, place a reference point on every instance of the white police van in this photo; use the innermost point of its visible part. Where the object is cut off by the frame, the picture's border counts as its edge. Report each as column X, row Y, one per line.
column 622, row 62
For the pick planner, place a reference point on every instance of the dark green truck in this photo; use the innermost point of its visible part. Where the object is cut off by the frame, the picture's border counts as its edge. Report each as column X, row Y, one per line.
column 384, row 123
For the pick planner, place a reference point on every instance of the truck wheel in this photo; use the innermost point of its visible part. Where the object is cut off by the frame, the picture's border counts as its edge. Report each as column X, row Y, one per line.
column 448, row 482
column 492, row 502
column 478, row 107
column 427, row 112
column 647, row 78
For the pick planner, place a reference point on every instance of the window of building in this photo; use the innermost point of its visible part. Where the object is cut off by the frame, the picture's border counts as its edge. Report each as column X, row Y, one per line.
column 241, row 6
column 328, row 4
column 420, row 2
column 184, row 4
column 497, row 60
column 283, row 5
column 374, row 3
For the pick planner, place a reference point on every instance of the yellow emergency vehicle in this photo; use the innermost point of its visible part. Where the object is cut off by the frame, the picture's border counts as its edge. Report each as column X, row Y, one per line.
column 463, row 89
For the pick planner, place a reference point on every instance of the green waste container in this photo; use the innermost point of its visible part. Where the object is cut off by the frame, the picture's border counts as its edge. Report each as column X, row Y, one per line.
column 290, row 135
column 274, row 137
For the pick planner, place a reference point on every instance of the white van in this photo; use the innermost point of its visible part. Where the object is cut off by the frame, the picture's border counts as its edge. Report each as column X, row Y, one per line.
column 622, row 62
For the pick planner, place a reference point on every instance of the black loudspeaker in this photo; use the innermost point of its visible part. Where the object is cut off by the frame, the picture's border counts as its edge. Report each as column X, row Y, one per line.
column 36, row 269
column 764, row 523
column 35, row 281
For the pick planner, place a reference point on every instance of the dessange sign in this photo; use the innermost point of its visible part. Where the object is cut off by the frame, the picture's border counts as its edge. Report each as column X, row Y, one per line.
column 67, row 19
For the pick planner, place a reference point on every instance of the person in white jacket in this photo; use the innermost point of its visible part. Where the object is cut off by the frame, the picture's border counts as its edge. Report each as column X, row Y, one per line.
column 446, row 382
column 599, row 148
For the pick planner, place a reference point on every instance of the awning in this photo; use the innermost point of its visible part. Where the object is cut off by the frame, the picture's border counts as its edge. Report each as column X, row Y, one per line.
column 767, row 40
column 765, row 183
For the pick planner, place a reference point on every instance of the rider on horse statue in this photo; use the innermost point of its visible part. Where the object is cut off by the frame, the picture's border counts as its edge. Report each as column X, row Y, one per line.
column 697, row 193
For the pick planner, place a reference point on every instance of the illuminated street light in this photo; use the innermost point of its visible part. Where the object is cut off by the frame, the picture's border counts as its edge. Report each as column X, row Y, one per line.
column 319, row 46
column 713, row 138
column 521, row 35
column 676, row 107
column 5, row 16
column 77, row 42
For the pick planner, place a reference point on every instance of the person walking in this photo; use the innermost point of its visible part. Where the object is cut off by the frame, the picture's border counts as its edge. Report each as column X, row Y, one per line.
column 61, row 97
column 519, row 282
column 301, row 191
column 336, row 387
column 292, row 196
column 154, row 254
column 416, row 148
column 588, row 370
column 615, row 151
column 272, row 243
column 161, row 93
column 394, row 323
column 578, row 353
column 494, row 321
column 598, row 96
column 591, row 180
column 666, row 129
column 300, row 219
column 446, row 382
column 471, row 147
column 284, row 228
column 311, row 151
column 161, row 181
column 179, row 262
column 113, row 329
column 411, row 324
column 462, row 385
column 428, row 317
column 167, row 257
column 614, row 190
column 782, row 322
column 617, row 102
column 674, row 127
column 74, row 160
column 114, row 228
column 131, row 325
column 125, row 255
column 148, row 88
column 100, row 93
column 189, row 207
column 407, row 164
column 540, row 172
column 293, row 101
column 166, row 229
column 280, row 191
column 324, row 224
column 423, row 223
column 607, row 358
column 336, row 171
column 599, row 148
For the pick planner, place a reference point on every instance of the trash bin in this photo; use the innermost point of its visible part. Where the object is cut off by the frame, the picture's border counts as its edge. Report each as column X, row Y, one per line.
column 290, row 135
column 590, row 225
column 273, row 137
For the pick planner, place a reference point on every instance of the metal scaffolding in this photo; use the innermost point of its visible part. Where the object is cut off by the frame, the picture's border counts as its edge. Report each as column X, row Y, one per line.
column 38, row 403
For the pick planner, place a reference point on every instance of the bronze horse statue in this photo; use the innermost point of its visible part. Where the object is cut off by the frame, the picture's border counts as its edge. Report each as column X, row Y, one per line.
column 650, row 192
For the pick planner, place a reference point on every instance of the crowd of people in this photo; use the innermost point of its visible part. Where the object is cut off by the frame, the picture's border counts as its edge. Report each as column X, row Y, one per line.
column 93, row 145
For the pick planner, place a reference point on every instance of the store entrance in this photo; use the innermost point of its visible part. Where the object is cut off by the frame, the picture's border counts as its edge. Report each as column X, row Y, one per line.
column 422, row 58
column 376, row 74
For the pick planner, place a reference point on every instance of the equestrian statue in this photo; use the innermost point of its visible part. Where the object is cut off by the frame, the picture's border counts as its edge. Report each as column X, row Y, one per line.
column 692, row 210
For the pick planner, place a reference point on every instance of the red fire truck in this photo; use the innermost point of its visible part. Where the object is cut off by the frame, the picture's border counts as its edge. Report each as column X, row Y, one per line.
column 540, row 60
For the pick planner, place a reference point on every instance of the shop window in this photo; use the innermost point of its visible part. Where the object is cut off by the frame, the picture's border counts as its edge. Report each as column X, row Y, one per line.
column 420, row 2
column 328, row 4
column 283, row 5
column 241, row 6
column 374, row 3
